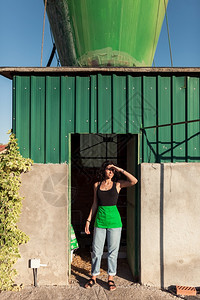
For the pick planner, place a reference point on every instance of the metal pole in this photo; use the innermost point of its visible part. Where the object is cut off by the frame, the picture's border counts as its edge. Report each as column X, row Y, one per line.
column 43, row 32
column 35, row 277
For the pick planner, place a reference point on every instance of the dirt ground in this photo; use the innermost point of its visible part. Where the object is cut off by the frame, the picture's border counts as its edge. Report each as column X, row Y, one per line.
column 80, row 270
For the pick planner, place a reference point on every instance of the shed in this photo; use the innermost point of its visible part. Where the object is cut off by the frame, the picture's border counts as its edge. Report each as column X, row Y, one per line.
column 68, row 120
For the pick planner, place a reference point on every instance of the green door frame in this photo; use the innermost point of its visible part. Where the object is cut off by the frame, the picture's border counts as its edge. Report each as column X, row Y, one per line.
column 69, row 205
column 133, row 211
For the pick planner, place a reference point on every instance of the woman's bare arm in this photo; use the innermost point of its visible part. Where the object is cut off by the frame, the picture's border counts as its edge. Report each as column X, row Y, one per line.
column 131, row 180
column 92, row 210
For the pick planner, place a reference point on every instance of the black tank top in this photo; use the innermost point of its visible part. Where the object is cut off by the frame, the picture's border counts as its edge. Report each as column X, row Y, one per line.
column 109, row 197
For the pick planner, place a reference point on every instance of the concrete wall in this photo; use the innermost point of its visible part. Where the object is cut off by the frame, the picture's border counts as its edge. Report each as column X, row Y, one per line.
column 44, row 219
column 170, row 224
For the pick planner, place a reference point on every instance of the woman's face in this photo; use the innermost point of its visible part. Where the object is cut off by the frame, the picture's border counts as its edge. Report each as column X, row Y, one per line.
column 109, row 172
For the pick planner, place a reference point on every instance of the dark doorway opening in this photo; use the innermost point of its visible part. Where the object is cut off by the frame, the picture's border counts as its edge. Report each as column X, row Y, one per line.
column 88, row 152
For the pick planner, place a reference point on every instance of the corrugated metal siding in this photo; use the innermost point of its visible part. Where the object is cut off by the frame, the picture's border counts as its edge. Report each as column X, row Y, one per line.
column 37, row 113
column 23, row 116
column 193, row 112
column 47, row 108
column 164, row 117
column 179, row 115
column 149, row 118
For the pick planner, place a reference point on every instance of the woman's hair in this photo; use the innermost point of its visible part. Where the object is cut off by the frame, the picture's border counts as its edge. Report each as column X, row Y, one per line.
column 101, row 173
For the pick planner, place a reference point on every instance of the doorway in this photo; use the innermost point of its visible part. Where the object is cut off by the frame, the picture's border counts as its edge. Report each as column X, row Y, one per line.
column 88, row 152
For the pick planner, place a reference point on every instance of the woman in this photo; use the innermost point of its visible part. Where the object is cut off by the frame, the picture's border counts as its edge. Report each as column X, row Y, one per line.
column 108, row 221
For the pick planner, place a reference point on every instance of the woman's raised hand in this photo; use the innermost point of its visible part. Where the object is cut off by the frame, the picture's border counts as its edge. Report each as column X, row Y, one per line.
column 115, row 168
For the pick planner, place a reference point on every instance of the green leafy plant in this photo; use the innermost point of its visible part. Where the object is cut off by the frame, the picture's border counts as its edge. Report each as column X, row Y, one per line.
column 12, row 164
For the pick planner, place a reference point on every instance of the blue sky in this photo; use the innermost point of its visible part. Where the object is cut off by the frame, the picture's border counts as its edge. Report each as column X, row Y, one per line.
column 21, row 24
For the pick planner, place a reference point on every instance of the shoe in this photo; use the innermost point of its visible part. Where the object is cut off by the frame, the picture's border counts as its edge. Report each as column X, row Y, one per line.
column 111, row 285
column 90, row 283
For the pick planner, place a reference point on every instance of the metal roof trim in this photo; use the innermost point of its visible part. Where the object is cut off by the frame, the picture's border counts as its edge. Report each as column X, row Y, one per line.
column 9, row 72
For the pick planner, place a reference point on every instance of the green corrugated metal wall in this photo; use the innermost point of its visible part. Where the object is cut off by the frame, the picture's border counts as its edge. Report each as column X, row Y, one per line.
column 46, row 109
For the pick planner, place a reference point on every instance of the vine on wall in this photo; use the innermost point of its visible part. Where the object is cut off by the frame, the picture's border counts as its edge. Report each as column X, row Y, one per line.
column 12, row 164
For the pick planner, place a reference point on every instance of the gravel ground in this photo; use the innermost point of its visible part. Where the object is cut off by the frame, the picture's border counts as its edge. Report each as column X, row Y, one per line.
column 99, row 291
column 126, row 288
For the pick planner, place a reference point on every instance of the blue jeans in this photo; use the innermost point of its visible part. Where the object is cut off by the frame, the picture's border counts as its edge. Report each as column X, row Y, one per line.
column 113, row 242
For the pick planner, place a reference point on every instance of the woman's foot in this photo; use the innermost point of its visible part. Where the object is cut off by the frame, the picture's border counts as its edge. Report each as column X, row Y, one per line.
column 111, row 284
column 90, row 283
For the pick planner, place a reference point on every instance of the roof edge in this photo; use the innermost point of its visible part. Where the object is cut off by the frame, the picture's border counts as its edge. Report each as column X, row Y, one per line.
column 10, row 72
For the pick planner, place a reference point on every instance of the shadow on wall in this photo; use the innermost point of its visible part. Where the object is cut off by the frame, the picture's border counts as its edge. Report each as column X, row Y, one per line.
column 162, row 226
